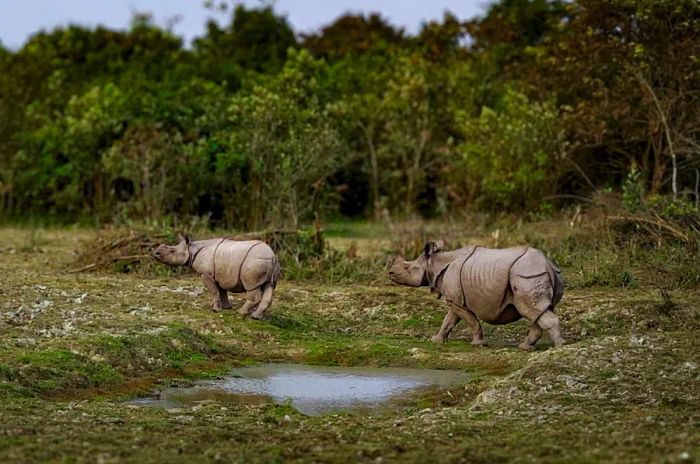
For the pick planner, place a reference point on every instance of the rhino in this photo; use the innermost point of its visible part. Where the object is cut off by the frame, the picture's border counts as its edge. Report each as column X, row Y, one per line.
column 497, row 286
column 228, row 266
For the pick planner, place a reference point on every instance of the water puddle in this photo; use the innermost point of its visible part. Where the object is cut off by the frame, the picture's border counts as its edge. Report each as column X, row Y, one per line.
column 312, row 390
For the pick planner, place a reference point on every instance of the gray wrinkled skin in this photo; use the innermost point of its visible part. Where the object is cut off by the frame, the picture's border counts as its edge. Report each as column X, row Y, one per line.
column 498, row 286
column 249, row 267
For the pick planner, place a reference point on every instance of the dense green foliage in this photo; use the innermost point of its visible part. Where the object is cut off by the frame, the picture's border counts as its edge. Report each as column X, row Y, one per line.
column 253, row 127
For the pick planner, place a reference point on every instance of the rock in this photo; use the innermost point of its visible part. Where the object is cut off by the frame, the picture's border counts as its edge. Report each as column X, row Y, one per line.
column 487, row 397
column 26, row 314
column 140, row 310
column 111, row 420
column 572, row 382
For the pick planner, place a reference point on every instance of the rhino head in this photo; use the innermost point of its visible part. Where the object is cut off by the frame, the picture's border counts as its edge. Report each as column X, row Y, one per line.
column 415, row 273
column 177, row 255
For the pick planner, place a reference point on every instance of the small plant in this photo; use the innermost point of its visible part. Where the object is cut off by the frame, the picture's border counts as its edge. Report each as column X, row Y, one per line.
column 667, row 305
column 627, row 279
column 33, row 242
column 633, row 189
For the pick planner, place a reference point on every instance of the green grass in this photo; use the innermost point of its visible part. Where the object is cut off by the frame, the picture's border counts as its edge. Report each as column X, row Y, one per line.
column 623, row 390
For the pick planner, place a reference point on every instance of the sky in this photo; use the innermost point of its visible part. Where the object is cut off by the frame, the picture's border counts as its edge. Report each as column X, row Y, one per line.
column 21, row 18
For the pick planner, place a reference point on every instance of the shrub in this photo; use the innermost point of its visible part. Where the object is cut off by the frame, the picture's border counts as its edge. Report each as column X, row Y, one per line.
column 511, row 155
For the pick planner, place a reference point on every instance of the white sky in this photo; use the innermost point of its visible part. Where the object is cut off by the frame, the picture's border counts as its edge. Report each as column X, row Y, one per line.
column 21, row 18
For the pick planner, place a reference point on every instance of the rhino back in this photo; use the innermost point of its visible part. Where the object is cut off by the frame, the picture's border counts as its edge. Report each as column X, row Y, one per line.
column 229, row 262
column 483, row 281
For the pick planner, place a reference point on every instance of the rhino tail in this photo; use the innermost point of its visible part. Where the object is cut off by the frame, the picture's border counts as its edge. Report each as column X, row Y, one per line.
column 557, row 281
column 275, row 272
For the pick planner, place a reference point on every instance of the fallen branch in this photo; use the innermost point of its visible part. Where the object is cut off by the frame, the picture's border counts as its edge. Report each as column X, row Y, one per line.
column 575, row 197
column 676, row 233
column 106, row 262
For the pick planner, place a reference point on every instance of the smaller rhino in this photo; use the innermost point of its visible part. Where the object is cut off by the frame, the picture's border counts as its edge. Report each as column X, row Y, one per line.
column 498, row 286
column 228, row 266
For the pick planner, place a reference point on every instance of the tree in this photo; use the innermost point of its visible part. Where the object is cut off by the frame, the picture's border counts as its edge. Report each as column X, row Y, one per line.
column 282, row 146
column 511, row 156
column 630, row 72
column 57, row 168
column 256, row 40
column 355, row 35
column 442, row 41
column 361, row 83
column 510, row 29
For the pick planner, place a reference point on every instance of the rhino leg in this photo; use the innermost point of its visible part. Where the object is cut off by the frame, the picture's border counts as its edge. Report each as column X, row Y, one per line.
column 534, row 300
column 223, row 297
column 264, row 301
column 550, row 322
column 531, row 338
column 253, row 298
column 214, row 290
column 473, row 323
column 448, row 323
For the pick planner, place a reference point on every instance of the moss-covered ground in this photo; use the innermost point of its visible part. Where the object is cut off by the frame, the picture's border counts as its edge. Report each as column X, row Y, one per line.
column 73, row 347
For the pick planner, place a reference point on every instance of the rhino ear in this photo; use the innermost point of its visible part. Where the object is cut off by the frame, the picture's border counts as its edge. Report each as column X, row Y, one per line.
column 184, row 238
column 433, row 247
column 429, row 249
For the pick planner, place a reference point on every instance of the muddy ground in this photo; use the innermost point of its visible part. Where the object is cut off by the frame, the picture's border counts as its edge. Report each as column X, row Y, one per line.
column 73, row 347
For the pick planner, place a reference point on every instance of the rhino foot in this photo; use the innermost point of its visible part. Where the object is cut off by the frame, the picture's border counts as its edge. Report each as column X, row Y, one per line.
column 478, row 342
column 526, row 347
column 438, row 338
column 247, row 308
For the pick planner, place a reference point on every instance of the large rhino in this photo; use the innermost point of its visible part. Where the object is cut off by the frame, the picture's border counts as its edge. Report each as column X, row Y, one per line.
column 228, row 266
column 493, row 285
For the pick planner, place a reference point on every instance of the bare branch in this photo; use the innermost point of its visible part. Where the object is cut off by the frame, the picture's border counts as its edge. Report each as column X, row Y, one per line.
column 667, row 131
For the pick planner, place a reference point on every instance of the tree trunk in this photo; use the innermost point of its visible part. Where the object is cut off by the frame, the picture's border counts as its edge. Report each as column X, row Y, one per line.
column 661, row 112
column 410, row 185
column 374, row 177
column 413, row 172
column 657, row 179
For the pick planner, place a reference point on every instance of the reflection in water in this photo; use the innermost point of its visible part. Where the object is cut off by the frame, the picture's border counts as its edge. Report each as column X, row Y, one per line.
column 311, row 389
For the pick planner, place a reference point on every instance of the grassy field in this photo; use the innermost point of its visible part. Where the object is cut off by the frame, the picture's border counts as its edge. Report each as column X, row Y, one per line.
column 73, row 347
